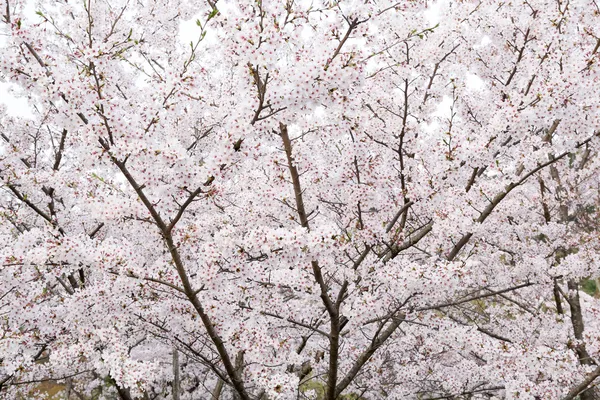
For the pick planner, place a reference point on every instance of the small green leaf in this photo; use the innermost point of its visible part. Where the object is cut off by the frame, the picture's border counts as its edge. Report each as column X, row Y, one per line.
column 589, row 286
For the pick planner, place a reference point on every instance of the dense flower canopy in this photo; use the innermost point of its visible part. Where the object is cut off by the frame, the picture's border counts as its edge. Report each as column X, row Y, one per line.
column 311, row 199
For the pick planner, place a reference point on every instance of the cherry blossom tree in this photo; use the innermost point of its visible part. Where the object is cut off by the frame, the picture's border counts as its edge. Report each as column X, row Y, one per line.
column 309, row 200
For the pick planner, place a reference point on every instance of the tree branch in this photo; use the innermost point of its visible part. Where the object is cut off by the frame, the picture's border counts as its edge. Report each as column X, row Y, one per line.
column 366, row 355
column 61, row 148
column 190, row 293
column 583, row 385
column 331, row 308
column 302, row 324
column 482, row 296
column 509, row 188
column 183, row 207
column 353, row 24
column 401, row 211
